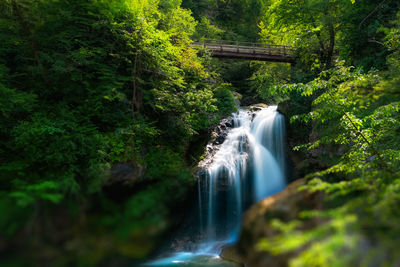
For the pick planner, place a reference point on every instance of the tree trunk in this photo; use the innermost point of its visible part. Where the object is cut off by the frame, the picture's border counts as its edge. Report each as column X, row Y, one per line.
column 321, row 44
column 17, row 10
column 137, row 96
column 331, row 46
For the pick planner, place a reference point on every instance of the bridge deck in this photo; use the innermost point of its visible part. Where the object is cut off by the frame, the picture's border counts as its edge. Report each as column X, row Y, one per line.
column 252, row 51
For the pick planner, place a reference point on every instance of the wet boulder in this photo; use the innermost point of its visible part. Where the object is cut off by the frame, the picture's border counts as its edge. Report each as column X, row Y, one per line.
column 284, row 206
column 284, row 107
column 217, row 137
column 257, row 107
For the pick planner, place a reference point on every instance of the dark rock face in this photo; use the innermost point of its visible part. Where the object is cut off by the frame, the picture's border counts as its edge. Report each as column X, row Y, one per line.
column 221, row 131
column 303, row 161
column 247, row 101
column 122, row 180
column 283, row 107
column 125, row 174
column 256, row 107
column 218, row 136
column 285, row 206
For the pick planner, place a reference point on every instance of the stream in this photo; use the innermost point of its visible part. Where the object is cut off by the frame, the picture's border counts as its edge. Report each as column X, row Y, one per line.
column 248, row 166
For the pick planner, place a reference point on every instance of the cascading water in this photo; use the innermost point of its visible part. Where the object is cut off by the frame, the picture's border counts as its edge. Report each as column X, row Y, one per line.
column 269, row 130
column 249, row 165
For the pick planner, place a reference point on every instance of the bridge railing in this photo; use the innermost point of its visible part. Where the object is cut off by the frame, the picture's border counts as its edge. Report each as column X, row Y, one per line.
column 246, row 47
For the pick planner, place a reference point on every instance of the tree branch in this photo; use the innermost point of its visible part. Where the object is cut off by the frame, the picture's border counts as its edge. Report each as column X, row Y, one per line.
column 375, row 41
column 370, row 14
column 382, row 163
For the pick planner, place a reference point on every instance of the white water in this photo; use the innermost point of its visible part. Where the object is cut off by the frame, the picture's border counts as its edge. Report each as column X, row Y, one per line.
column 249, row 166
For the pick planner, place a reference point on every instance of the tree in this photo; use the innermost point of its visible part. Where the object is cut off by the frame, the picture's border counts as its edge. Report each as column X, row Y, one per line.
column 310, row 25
column 86, row 85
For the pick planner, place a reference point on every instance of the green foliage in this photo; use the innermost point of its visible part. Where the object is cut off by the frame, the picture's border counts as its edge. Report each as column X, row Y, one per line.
column 225, row 100
column 323, row 30
column 321, row 251
column 85, row 85
column 205, row 29
column 151, row 207
column 265, row 79
column 393, row 43
column 311, row 26
column 359, row 113
column 229, row 20
column 362, row 38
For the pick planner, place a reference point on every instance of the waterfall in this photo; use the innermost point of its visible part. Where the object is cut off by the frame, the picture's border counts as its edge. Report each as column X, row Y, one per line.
column 248, row 166
column 269, row 129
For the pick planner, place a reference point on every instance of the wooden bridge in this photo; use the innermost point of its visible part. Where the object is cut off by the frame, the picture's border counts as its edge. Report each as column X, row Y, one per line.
column 245, row 50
